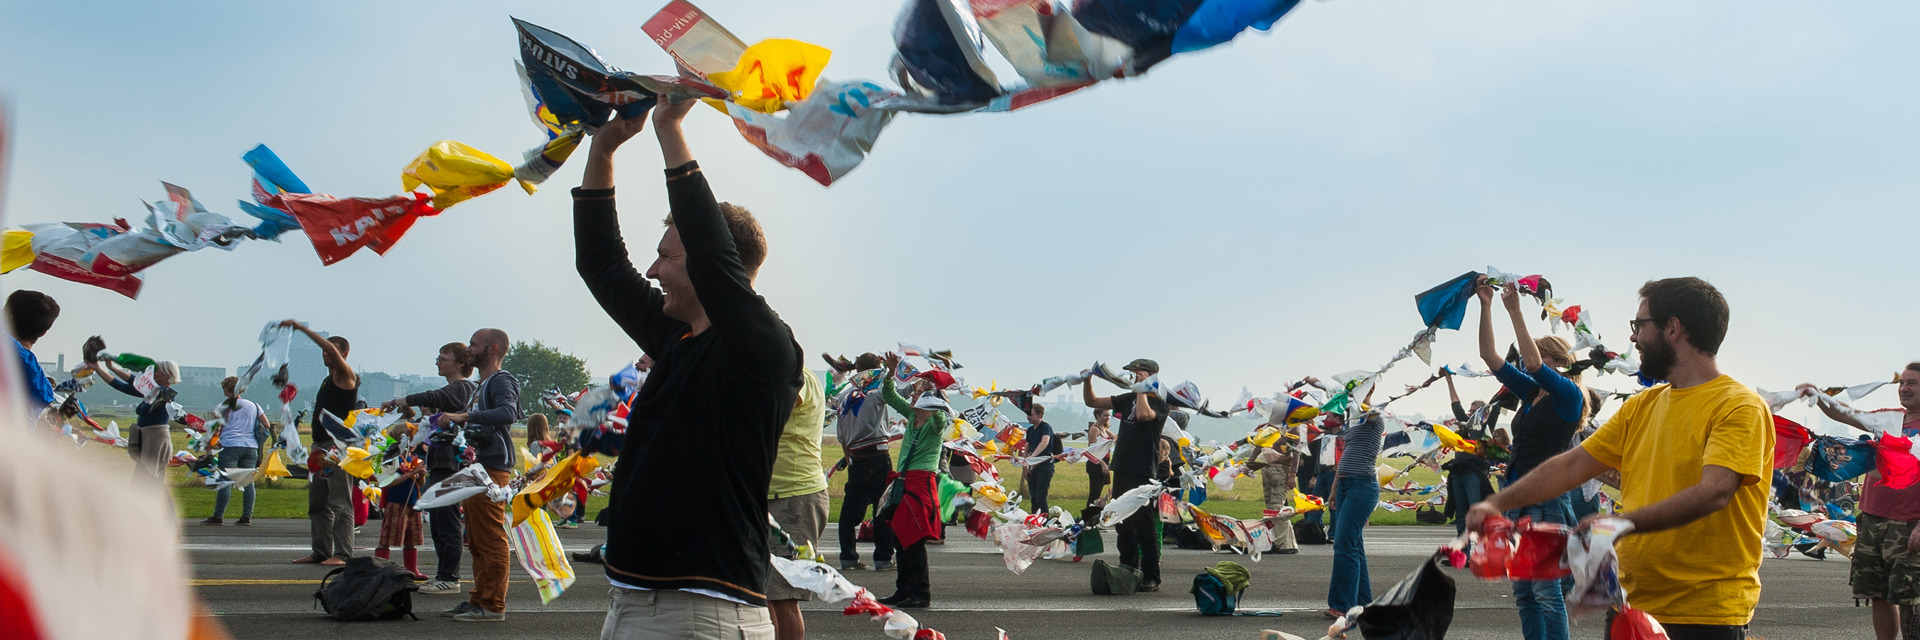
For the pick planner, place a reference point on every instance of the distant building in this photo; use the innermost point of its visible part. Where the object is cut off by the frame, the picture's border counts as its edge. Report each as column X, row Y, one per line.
column 210, row 376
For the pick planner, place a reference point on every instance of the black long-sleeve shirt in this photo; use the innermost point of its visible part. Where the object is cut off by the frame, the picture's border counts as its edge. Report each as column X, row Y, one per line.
column 688, row 504
column 441, row 456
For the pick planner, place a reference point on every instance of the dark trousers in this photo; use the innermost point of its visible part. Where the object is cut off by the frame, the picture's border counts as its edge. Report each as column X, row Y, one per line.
column 1463, row 491
column 1039, row 481
column 866, row 483
column 1322, row 487
column 1096, row 482
column 1690, row 631
column 914, row 577
column 1139, row 541
column 444, row 523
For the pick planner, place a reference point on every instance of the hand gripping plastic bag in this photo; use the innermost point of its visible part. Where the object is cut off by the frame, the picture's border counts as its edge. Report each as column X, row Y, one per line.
column 575, row 84
column 772, row 73
column 455, row 173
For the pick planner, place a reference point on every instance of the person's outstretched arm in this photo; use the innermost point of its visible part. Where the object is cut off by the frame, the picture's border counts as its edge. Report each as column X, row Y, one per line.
column 337, row 368
column 719, row 278
column 600, row 253
column 1489, row 354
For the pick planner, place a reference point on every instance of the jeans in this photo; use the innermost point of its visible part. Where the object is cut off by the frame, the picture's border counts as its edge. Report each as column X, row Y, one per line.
column 1139, row 534
column 1351, row 585
column 1463, row 491
column 1322, row 487
column 1039, row 481
column 866, row 483
column 236, row 458
column 444, row 525
column 1542, row 603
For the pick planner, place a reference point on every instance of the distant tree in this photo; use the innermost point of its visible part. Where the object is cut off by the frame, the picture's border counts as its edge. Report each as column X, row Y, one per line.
column 539, row 368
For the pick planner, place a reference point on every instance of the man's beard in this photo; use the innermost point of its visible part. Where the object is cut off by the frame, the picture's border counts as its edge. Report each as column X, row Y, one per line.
column 1656, row 358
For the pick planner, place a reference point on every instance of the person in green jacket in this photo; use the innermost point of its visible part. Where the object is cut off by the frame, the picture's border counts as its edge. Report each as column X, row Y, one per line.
column 911, row 508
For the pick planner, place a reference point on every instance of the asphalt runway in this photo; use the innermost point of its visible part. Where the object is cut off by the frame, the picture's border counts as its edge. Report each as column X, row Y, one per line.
column 244, row 576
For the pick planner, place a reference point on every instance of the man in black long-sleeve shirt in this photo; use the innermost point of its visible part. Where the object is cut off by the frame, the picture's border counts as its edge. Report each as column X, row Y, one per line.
column 702, row 432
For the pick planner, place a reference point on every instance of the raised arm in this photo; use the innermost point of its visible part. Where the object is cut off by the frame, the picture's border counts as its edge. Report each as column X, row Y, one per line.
column 891, row 395
column 1143, row 407
column 1489, row 354
column 1529, row 352
column 1093, row 401
column 1834, row 412
column 337, row 368
column 600, row 253
column 720, row 279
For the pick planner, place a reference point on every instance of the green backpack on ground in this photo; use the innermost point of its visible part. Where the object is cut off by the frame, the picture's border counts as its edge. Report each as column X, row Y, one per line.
column 1115, row 579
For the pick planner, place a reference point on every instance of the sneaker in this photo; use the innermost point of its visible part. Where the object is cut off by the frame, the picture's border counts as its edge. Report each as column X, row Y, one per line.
column 569, row 525
column 1149, row 587
column 883, row 566
column 458, row 609
column 1286, row 552
column 854, row 566
column 478, row 614
column 213, row 521
column 440, row 587
column 244, row 522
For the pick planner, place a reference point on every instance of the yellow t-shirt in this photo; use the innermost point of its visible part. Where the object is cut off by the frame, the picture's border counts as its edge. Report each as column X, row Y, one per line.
column 796, row 466
column 1707, row 572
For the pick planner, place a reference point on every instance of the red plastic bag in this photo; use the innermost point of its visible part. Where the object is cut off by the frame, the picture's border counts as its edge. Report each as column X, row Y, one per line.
column 864, row 532
column 1491, row 551
column 1541, row 553
column 1634, row 624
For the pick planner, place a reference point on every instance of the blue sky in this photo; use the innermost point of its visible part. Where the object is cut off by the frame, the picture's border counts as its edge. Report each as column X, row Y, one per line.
column 1245, row 215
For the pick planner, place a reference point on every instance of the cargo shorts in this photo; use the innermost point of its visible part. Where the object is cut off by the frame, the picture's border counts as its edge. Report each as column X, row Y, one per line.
column 1882, row 568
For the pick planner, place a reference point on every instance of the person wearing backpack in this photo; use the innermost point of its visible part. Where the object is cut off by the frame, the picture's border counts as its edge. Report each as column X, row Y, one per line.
column 488, row 421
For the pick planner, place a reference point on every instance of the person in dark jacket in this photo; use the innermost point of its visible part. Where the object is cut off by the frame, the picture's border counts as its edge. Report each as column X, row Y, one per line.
column 149, row 444
column 488, row 425
column 703, row 430
column 443, row 459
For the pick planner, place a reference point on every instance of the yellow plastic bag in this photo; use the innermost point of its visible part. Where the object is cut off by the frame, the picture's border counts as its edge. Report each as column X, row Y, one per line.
column 274, row 467
column 555, row 481
column 1453, row 441
column 18, row 251
column 772, row 73
column 1303, row 503
column 455, row 172
column 357, row 463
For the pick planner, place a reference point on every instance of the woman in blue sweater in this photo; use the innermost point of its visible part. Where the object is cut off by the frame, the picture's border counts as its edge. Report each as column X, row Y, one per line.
column 1552, row 408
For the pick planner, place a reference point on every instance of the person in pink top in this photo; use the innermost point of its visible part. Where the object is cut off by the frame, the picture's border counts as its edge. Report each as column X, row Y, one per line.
column 1886, row 558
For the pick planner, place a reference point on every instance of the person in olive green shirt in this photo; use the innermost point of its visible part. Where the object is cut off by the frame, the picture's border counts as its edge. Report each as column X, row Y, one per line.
column 911, row 508
column 797, row 500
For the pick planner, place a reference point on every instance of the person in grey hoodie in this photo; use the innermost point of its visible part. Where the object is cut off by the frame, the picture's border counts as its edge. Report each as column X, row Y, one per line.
column 488, row 422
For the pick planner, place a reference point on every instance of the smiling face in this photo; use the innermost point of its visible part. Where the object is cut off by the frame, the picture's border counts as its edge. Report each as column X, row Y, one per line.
column 670, row 270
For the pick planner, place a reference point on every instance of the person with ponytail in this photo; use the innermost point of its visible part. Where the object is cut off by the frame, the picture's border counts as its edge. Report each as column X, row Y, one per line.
column 1552, row 407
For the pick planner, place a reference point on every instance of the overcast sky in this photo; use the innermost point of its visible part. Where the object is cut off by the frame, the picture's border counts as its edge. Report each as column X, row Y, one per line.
column 1245, row 215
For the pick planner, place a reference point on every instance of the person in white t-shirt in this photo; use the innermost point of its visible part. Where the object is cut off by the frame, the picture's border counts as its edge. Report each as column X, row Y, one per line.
column 239, row 448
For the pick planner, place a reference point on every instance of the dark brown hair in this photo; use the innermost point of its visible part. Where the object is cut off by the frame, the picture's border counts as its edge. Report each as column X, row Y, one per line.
column 748, row 239
column 1698, row 305
column 31, row 314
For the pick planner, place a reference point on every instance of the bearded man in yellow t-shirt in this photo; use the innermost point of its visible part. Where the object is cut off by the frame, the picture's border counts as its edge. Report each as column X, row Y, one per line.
column 1693, row 456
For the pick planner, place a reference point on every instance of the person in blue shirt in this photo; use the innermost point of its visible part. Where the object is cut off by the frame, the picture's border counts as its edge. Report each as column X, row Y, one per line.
column 29, row 315
column 1552, row 408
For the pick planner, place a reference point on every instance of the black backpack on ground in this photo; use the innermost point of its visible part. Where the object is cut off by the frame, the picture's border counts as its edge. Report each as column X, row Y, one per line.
column 367, row 588
column 1306, row 532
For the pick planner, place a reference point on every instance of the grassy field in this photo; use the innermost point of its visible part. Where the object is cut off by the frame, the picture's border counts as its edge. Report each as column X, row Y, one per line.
column 287, row 498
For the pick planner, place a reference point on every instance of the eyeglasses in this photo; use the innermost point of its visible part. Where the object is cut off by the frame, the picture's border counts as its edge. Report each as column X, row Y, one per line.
column 1634, row 324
